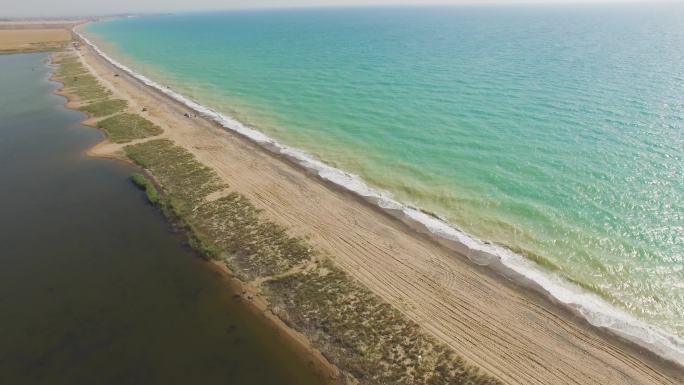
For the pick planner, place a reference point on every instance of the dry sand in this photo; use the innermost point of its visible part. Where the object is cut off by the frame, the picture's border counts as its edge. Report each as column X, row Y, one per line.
column 511, row 333
column 20, row 38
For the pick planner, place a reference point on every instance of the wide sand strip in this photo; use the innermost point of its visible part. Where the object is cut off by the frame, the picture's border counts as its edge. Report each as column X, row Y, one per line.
column 511, row 333
column 32, row 37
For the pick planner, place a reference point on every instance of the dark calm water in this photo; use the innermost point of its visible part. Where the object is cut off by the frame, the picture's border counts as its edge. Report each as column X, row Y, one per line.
column 94, row 288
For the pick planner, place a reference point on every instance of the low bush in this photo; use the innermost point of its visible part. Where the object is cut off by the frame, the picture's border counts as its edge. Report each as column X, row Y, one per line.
column 146, row 185
column 104, row 107
column 125, row 127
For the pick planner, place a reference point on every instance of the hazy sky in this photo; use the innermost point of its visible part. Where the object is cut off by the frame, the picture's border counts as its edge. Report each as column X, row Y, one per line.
column 53, row 8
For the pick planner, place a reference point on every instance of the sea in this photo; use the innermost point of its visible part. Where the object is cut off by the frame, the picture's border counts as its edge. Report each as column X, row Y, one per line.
column 547, row 140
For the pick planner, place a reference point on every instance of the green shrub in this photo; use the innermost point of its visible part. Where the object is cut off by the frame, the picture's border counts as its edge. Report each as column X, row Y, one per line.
column 125, row 127
column 77, row 80
column 146, row 185
column 182, row 176
column 104, row 107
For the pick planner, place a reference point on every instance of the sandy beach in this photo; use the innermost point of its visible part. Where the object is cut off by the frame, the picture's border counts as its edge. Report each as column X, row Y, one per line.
column 514, row 334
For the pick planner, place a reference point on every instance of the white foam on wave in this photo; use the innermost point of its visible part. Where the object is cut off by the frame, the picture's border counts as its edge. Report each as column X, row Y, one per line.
column 590, row 306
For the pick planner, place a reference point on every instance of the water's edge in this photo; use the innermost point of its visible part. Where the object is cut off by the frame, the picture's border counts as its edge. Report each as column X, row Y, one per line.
column 597, row 311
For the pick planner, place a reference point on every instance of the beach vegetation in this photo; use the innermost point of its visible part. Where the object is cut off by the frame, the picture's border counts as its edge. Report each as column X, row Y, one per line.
column 125, row 127
column 77, row 80
column 147, row 186
column 355, row 329
column 363, row 334
column 177, row 170
column 104, row 107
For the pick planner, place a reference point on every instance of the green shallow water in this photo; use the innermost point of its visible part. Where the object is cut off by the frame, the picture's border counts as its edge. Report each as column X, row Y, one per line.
column 555, row 131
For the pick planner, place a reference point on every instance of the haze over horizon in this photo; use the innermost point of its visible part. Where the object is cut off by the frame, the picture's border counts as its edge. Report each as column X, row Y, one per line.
column 77, row 8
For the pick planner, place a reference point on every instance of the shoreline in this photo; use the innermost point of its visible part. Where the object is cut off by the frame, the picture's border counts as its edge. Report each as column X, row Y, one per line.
column 589, row 306
column 249, row 297
column 291, row 162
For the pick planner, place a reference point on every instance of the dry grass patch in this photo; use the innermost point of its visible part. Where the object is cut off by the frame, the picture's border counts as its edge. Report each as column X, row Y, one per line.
column 125, row 127
column 15, row 40
column 183, row 177
column 104, row 107
column 364, row 335
column 85, row 87
column 253, row 247
column 77, row 80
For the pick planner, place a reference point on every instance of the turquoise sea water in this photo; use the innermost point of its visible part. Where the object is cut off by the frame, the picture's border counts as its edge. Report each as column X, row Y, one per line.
column 555, row 131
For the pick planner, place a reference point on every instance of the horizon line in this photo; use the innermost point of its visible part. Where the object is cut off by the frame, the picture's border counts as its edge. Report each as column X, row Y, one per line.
column 342, row 4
